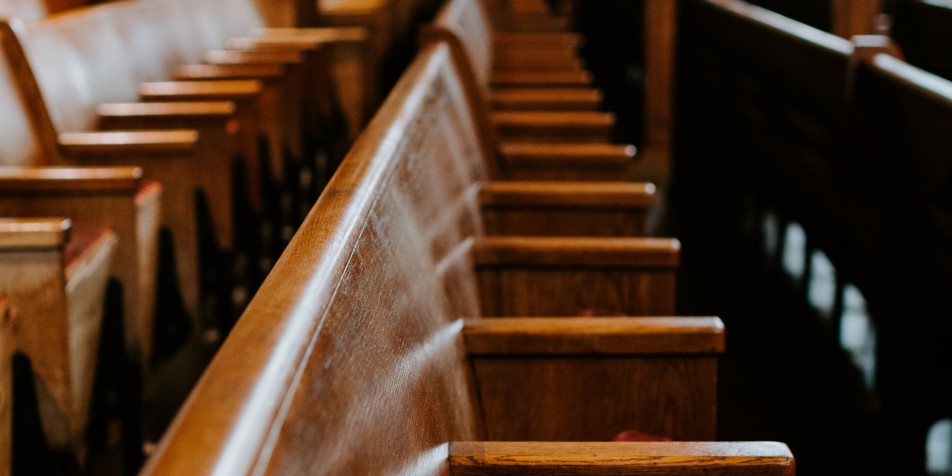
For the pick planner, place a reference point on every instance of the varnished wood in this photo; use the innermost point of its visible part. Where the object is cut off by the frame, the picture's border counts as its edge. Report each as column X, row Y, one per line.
column 535, row 99
column 28, row 179
column 361, row 324
column 105, row 197
column 593, row 335
column 238, row 71
column 236, row 90
column 554, row 126
column 56, row 282
column 688, row 458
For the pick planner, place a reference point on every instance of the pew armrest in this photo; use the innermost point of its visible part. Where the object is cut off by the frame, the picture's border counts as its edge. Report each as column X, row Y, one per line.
column 57, row 180
column 658, row 458
column 576, row 275
column 580, row 194
column 594, row 335
column 260, row 56
column 226, row 90
column 554, row 126
column 303, row 38
column 548, row 78
column 218, row 72
column 528, row 161
column 656, row 253
column 162, row 115
column 138, row 145
column 566, row 208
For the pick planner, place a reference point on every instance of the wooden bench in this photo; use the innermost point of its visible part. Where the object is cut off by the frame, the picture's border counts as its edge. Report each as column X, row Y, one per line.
column 466, row 26
column 117, row 198
column 902, row 117
column 365, row 350
column 176, row 158
column 54, row 276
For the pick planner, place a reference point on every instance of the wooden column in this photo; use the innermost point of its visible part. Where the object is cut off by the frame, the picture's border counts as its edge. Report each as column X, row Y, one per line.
column 855, row 17
column 660, row 33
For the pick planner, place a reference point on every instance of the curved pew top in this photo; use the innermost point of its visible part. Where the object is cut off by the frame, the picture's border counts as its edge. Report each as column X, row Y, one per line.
column 349, row 356
column 786, row 45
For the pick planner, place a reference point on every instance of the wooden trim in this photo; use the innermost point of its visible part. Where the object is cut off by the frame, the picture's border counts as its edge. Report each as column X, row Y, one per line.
column 607, row 154
column 193, row 72
column 605, row 194
column 33, row 233
column 763, row 458
column 234, row 90
column 594, row 335
column 577, row 251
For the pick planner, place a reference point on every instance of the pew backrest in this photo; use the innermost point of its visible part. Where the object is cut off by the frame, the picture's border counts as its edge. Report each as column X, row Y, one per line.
column 353, row 340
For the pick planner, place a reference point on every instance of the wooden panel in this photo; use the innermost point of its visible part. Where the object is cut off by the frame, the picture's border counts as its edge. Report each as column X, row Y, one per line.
column 593, row 398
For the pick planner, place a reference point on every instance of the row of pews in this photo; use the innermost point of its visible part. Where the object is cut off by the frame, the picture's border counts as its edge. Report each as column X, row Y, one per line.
column 454, row 277
column 158, row 157
column 846, row 139
column 458, row 302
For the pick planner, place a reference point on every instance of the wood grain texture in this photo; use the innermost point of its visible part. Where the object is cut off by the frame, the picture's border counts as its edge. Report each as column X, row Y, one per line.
column 593, row 398
column 26, row 233
column 594, row 335
column 542, row 99
column 688, row 459
column 554, row 126
column 59, row 302
column 565, row 208
column 194, row 72
column 558, row 78
column 360, row 326
column 69, row 179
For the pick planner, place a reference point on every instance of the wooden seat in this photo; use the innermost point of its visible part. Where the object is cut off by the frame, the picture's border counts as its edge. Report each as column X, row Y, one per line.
column 902, row 115
column 54, row 275
column 364, row 351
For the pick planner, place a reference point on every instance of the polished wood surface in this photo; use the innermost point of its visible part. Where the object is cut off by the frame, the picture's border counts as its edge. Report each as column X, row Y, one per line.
column 361, row 325
column 56, row 282
column 688, row 459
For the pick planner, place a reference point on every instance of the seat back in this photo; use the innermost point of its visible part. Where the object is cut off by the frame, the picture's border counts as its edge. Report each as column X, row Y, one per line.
column 467, row 24
column 351, row 353
column 23, row 142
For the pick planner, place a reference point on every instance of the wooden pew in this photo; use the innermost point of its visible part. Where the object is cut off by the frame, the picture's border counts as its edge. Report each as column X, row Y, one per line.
column 788, row 120
column 370, row 324
column 465, row 24
column 545, row 161
column 54, row 275
column 902, row 118
column 192, row 151
column 118, row 198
